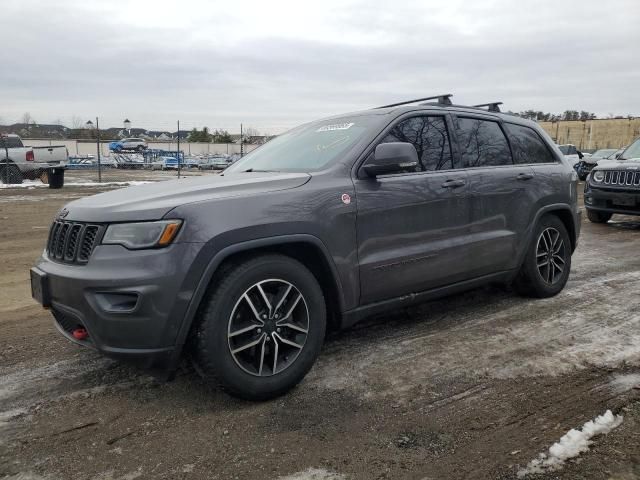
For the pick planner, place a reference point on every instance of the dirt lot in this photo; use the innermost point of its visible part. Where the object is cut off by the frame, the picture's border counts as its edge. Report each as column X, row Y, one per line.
column 472, row 386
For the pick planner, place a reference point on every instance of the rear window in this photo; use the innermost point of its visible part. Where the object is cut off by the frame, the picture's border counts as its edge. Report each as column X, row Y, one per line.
column 11, row 142
column 527, row 145
column 482, row 143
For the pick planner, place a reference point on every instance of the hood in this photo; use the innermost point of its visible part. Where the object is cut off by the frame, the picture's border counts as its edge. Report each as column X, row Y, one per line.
column 154, row 200
column 632, row 164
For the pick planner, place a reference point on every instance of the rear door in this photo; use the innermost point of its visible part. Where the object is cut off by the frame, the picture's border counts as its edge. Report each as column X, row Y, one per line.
column 412, row 226
column 501, row 194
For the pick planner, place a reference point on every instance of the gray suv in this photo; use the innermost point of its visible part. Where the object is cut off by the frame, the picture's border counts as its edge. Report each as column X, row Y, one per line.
column 320, row 227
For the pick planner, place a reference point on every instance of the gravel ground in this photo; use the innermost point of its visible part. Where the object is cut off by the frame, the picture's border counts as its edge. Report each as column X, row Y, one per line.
column 471, row 386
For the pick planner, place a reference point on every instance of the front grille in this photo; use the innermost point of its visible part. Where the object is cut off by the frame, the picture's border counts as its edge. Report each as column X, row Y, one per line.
column 622, row 178
column 72, row 242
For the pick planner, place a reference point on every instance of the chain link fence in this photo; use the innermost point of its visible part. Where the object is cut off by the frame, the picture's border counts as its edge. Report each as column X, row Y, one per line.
column 89, row 162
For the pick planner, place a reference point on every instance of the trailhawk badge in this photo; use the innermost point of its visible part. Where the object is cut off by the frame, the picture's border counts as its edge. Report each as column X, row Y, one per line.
column 346, row 198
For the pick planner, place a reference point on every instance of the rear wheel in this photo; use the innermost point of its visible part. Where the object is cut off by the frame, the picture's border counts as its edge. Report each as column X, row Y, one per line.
column 598, row 217
column 10, row 174
column 547, row 263
column 261, row 327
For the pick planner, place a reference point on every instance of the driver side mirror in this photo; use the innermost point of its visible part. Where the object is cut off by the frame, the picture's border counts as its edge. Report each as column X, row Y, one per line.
column 393, row 157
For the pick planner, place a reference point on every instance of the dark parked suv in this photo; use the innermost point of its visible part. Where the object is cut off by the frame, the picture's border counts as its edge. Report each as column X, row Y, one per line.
column 320, row 227
column 613, row 186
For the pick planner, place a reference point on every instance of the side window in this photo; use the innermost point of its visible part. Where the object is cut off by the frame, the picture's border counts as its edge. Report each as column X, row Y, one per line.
column 430, row 137
column 527, row 145
column 482, row 143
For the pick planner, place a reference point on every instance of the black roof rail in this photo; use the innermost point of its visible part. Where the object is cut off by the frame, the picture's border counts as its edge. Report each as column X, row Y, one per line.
column 442, row 100
column 493, row 106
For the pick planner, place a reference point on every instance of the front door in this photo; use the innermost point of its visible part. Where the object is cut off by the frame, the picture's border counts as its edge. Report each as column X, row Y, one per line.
column 411, row 226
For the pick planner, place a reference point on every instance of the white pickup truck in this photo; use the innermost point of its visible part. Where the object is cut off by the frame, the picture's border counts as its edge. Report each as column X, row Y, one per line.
column 18, row 162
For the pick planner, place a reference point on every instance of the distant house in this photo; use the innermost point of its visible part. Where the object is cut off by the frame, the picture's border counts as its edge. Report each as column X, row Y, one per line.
column 36, row 130
column 159, row 135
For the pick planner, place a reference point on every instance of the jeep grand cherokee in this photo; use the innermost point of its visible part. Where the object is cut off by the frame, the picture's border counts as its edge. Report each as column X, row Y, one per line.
column 320, row 227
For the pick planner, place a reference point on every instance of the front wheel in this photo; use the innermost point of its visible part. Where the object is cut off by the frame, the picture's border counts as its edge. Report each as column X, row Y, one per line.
column 547, row 262
column 261, row 327
column 598, row 217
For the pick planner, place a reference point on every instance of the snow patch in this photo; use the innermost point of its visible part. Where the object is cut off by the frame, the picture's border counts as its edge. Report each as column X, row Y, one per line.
column 572, row 444
column 624, row 383
column 314, row 474
column 38, row 184
column 26, row 476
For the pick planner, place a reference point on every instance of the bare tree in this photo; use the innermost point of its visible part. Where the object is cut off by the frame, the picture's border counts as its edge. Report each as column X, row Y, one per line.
column 250, row 133
column 76, row 122
column 27, row 119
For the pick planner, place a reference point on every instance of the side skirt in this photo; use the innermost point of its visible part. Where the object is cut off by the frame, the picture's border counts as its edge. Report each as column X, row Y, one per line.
column 352, row 317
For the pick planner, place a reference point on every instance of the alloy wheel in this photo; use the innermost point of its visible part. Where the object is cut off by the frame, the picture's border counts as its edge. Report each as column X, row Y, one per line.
column 268, row 327
column 550, row 255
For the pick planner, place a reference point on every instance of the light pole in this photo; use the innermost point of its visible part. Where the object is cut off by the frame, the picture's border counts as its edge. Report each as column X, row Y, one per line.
column 127, row 126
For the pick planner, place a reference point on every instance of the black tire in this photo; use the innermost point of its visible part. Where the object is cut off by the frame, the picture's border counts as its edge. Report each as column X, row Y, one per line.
column 598, row 217
column 582, row 176
column 213, row 337
column 533, row 278
column 11, row 174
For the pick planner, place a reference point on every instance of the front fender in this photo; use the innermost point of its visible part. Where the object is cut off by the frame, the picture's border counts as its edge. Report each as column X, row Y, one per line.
column 209, row 259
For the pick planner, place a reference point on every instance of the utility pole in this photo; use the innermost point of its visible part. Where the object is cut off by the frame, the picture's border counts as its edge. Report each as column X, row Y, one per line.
column 98, row 147
column 178, row 154
column 241, row 142
column 5, row 141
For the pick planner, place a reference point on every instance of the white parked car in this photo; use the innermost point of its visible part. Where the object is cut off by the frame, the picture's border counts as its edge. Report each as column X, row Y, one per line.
column 131, row 144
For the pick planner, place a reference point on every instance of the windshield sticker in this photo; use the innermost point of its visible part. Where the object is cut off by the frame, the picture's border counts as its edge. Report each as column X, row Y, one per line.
column 337, row 126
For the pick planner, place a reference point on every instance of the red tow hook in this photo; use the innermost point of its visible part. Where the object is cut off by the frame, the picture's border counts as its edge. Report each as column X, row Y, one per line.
column 80, row 333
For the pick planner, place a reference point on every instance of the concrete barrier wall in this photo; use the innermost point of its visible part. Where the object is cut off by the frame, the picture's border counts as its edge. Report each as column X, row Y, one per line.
column 77, row 147
column 594, row 134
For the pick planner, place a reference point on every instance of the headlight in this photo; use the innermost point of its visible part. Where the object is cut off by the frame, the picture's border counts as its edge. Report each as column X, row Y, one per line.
column 598, row 176
column 143, row 234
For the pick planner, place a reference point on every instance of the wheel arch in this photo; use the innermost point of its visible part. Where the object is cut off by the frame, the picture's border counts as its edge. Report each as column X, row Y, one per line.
column 567, row 218
column 564, row 213
column 307, row 249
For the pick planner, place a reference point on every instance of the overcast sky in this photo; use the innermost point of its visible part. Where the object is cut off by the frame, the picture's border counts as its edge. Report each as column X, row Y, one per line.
column 274, row 64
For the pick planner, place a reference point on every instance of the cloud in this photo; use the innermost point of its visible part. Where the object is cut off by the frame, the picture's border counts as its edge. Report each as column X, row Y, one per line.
column 276, row 64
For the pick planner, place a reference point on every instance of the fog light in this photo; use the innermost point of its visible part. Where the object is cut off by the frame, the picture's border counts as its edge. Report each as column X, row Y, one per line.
column 117, row 302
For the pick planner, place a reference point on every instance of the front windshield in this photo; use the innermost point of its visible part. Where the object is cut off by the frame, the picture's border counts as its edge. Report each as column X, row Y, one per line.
column 604, row 153
column 632, row 151
column 308, row 148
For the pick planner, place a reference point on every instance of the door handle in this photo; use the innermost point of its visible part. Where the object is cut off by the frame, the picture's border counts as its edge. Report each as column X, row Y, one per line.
column 525, row 176
column 454, row 184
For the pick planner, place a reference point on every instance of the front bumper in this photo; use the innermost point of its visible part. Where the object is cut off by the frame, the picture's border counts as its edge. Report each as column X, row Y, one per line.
column 131, row 302
column 612, row 200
